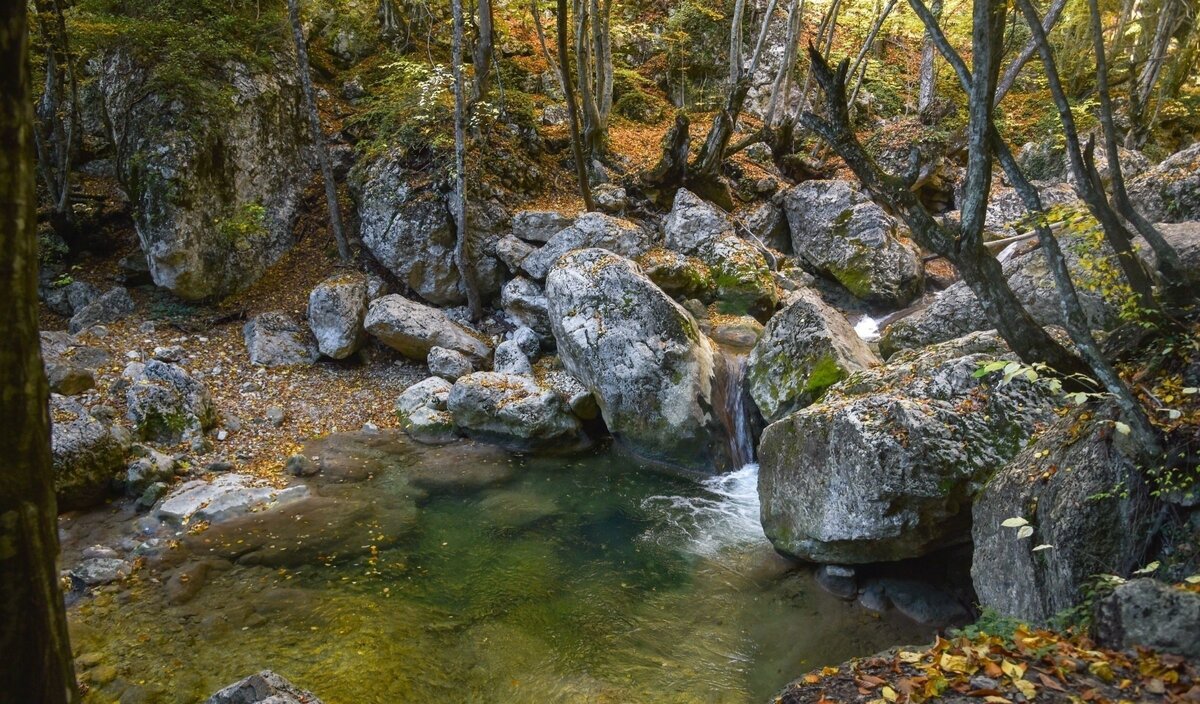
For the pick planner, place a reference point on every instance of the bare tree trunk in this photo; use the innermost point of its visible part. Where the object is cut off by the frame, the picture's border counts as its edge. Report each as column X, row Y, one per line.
column 37, row 664
column 564, row 64
column 735, row 42
column 1072, row 311
column 928, row 73
column 541, row 35
column 462, row 250
column 1139, row 96
column 483, row 50
column 58, row 115
column 592, row 133
column 866, row 47
column 318, row 134
column 1027, row 52
column 781, row 85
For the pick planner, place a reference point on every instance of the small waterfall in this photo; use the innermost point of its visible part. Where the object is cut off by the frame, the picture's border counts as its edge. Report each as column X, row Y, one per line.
column 724, row 515
column 732, row 402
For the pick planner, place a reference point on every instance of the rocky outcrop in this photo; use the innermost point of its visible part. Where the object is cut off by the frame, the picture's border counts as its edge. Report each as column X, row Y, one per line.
column 768, row 223
column 87, row 453
column 266, row 687
column 839, row 233
column 1064, row 486
column 423, row 413
column 277, row 339
column 642, row 356
column 956, row 311
column 513, row 410
column 806, row 348
column 69, row 298
column 167, row 405
column 1170, row 192
column 414, row 329
column 539, row 225
column 336, row 310
column 589, row 230
column 215, row 187
column 884, row 467
column 1149, row 614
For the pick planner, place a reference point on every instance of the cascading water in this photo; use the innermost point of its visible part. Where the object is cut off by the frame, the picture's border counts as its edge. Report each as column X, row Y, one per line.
column 732, row 401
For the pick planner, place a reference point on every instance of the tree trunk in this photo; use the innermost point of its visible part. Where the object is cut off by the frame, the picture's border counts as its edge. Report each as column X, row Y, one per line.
column 866, row 47
column 564, row 67
column 1027, row 52
column 541, row 35
column 781, row 85
column 485, row 43
column 37, row 664
column 58, row 115
column 318, row 134
column 462, row 250
column 1139, row 96
column 928, row 72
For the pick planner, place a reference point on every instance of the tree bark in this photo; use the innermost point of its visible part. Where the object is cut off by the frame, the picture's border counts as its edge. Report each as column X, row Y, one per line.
column 37, row 664
column 541, row 35
column 485, row 43
column 928, row 72
column 58, row 114
column 781, row 85
column 318, row 134
column 462, row 250
column 564, row 67
column 1027, row 52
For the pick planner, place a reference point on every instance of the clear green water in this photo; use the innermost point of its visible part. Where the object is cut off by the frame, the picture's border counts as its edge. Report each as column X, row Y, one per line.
column 582, row 580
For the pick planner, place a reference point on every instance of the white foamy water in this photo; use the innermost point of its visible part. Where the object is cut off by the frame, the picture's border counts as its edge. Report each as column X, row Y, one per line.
column 724, row 515
column 867, row 328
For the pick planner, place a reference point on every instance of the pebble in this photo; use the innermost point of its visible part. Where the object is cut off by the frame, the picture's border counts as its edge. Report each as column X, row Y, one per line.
column 132, row 354
column 222, row 434
column 275, row 415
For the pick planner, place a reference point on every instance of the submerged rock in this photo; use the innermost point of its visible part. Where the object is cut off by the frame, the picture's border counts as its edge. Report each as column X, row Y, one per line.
column 337, row 308
column 641, row 354
column 266, row 687
column 414, row 329
column 838, row 232
column 1064, row 485
column 885, row 466
column 806, row 348
column 228, row 496
column 513, row 410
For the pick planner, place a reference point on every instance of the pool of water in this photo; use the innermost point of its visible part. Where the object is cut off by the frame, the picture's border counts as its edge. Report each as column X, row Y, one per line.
column 587, row 579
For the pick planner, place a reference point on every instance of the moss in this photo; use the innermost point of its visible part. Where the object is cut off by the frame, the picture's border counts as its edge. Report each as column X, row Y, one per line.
column 825, row 373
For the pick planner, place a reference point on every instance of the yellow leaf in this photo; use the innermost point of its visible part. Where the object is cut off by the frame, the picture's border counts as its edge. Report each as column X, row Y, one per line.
column 1102, row 670
column 908, row 656
column 889, row 693
column 993, row 699
column 1026, row 688
column 1013, row 670
column 955, row 663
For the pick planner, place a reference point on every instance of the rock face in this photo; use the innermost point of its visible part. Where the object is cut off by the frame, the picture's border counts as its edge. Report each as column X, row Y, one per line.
column 512, row 410
column 336, row 310
column 406, row 225
column 767, row 222
column 87, row 454
column 265, row 687
column 1150, row 614
column 423, row 413
column 838, row 232
column 806, row 348
column 167, row 405
column 277, row 339
column 956, row 311
column 694, row 223
column 110, row 307
column 414, row 329
column 538, row 225
column 1062, row 484
column 215, row 190
column 1170, row 192
column 642, row 356
column 525, row 302
column 589, row 230
column 885, row 466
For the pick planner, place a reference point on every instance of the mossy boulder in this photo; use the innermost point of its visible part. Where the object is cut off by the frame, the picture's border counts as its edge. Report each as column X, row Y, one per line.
column 885, row 466
column 167, row 405
column 806, row 348
column 680, row 276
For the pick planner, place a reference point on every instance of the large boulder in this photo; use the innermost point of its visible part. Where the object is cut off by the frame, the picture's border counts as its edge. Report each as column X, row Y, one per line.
column 641, row 354
column 277, row 339
column 956, row 311
column 87, row 453
column 110, row 307
column 806, row 348
column 513, row 410
column 414, row 329
column 539, row 225
column 407, row 227
column 694, row 223
column 885, row 466
column 423, row 413
column 679, row 275
column 1170, row 191
column 1064, row 486
column 167, row 405
column 215, row 188
column 589, row 230
column 525, row 302
column 266, row 687
column 838, row 232
column 1149, row 614
column 336, row 310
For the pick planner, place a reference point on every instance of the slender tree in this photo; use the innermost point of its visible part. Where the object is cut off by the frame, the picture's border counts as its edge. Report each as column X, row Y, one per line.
column 482, row 54
column 462, row 249
column 36, row 665
column 564, row 67
column 318, row 134
column 1014, row 69
column 57, row 114
column 927, row 89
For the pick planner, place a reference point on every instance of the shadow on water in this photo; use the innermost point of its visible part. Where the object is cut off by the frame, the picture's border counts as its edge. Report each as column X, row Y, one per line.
column 506, row 579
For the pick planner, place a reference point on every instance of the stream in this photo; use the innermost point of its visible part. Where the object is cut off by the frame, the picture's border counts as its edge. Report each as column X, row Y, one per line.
column 506, row 579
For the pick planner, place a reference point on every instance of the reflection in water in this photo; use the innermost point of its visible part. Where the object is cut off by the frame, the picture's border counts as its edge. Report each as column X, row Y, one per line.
column 581, row 580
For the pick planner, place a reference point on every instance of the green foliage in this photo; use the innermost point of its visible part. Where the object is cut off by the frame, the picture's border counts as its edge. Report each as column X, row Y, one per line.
column 697, row 37
column 990, row 623
column 410, row 108
column 247, row 224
